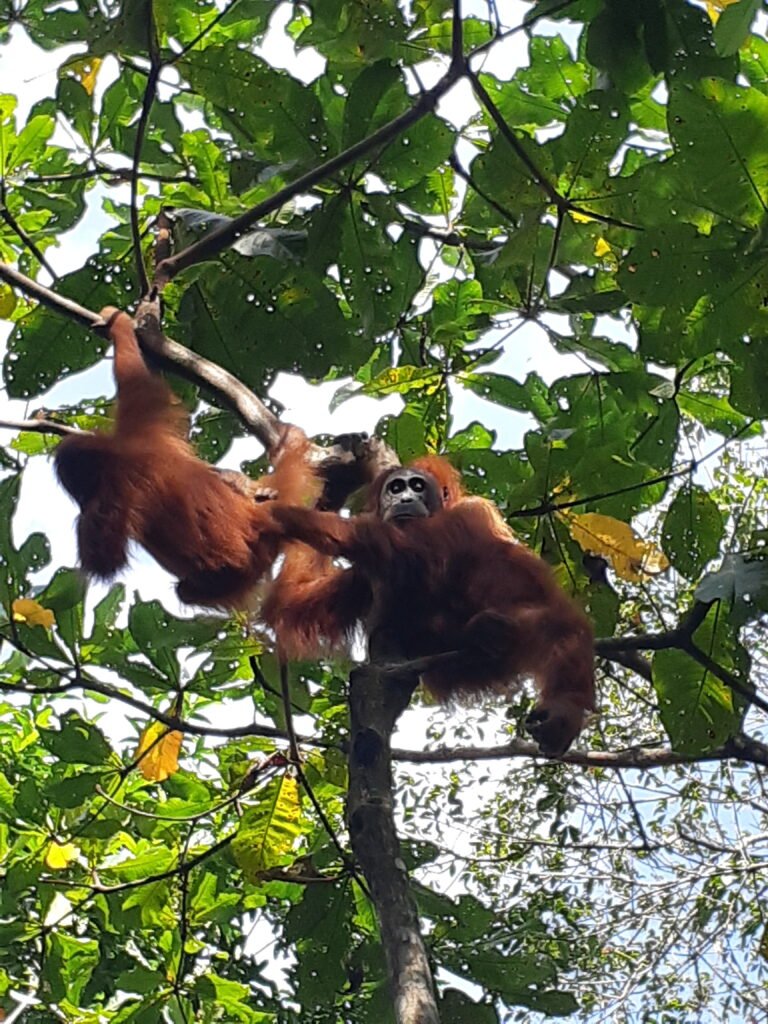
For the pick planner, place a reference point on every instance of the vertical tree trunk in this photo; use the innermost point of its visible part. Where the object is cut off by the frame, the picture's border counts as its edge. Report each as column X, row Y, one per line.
column 375, row 705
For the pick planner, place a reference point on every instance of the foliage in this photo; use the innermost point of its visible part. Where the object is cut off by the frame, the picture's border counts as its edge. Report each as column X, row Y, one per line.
column 603, row 195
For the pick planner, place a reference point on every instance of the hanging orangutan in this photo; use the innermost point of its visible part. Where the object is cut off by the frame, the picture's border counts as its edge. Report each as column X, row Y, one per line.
column 144, row 483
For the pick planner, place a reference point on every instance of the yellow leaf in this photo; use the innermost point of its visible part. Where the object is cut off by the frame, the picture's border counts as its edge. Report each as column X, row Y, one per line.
column 59, row 855
column 85, row 70
column 159, row 752
column 631, row 557
column 7, row 306
column 601, row 248
column 269, row 830
column 580, row 218
column 24, row 609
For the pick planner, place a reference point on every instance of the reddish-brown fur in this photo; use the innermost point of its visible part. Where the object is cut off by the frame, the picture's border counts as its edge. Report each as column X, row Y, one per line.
column 143, row 482
column 456, row 581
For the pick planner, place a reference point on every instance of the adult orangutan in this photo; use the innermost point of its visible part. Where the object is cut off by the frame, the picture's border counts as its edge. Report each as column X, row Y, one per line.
column 434, row 571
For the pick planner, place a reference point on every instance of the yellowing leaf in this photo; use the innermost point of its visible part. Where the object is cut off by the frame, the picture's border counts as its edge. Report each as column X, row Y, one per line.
column 630, row 557
column 601, row 248
column 59, row 855
column 159, row 752
column 269, row 829
column 7, row 306
column 580, row 218
column 85, row 70
column 24, row 609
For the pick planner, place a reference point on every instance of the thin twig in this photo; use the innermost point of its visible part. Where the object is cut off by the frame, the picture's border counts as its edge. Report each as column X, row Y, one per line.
column 14, row 225
column 539, row 178
column 172, row 721
column 204, row 32
column 148, row 99
column 39, row 425
column 298, row 767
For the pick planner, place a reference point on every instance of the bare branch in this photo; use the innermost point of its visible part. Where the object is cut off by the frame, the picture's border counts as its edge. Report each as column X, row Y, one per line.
column 38, row 425
column 73, row 310
column 739, row 748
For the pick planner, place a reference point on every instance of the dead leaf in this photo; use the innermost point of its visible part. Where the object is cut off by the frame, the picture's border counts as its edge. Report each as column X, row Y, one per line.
column 630, row 557
column 24, row 609
column 159, row 750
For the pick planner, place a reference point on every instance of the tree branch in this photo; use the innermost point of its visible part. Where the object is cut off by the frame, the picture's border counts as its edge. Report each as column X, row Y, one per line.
column 223, row 237
column 34, row 290
column 561, row 202
column 39, row 425
column 349, row 463
column 150, row 90
column 227, row 389
column 375, row 705
column 738, row 748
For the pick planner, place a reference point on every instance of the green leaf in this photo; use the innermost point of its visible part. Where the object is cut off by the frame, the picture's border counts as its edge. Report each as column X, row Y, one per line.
column 268, row 831
column 693, row 530
column 77, row 741
column 700, row 712
column 741, row 583
column 733, row 25
column 531, row 396
column 68, row 965
column 74, row 790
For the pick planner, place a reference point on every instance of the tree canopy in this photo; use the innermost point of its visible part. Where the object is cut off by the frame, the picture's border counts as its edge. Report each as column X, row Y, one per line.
column 402, row 198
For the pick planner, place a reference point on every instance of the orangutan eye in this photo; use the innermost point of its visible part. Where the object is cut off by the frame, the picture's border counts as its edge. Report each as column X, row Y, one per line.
column 396, row 486
column 416, row 483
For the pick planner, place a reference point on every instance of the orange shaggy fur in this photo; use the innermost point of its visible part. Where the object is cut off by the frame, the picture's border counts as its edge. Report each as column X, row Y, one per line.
column 144, row 483
column 455, row 581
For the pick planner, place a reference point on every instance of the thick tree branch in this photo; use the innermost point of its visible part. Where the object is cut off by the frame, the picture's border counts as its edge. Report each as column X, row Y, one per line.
column 352, row 461
column 34, row 290
column 375, row 705
column 227, row 389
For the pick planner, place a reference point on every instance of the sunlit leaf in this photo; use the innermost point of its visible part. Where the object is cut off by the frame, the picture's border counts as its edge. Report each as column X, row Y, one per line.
column 158, row 752
column 269, row 830
column 33, row 614
column 85, row 70
column 631, row 557
column 60, row 855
